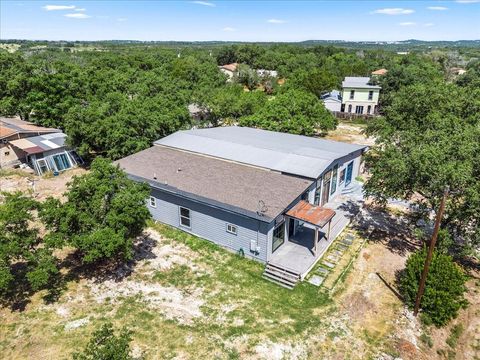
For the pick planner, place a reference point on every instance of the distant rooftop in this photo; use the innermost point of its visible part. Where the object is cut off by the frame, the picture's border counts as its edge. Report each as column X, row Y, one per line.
column 332, row 95
column 358, row 82
column 230, row 67
column 10, row 126
column 291, row 154
column 41, row 143
column 380, row 72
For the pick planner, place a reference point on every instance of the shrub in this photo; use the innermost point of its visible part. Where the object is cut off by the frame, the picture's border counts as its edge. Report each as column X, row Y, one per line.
column 444, row 288
column 105, row 345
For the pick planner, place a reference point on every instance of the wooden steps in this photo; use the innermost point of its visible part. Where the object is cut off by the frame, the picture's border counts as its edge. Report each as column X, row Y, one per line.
column 281, row 276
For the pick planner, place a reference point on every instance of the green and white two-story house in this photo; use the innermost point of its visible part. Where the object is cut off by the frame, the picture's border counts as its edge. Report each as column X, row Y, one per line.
column 359, row 96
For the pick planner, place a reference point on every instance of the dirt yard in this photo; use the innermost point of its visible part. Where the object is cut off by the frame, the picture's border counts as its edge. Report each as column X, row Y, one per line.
column 41, row 187
column 350, row 133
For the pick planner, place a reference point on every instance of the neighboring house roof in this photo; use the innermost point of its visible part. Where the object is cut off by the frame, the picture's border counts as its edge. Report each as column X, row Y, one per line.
column 263, row 72
column 230, row 67
column 380, row 72
column 39, row 144
column 358, row 82
column 224, row 184
column 292, row 154
column 332, row 95
column 14, row 126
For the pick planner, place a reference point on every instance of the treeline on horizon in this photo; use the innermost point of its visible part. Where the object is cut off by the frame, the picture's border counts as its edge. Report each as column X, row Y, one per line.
column 117, row 101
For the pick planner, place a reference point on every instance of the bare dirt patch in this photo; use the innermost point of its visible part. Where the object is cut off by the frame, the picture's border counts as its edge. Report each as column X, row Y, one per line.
column 40, row 187
column 350, row 133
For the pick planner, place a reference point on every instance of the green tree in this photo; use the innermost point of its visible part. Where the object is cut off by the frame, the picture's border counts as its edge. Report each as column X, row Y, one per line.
column 444, row 288
column 316, row 81
column 228, row 104
column 106, row 345
column 430, row 139
column 102, row 215
column 247, row 77
column 293, row 111
column 20, row 244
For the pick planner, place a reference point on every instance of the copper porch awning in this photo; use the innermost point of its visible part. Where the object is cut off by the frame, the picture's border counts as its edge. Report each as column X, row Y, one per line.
column 315, row 215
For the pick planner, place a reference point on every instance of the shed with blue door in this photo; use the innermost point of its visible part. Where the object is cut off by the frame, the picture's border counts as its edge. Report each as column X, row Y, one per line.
column 238, row 187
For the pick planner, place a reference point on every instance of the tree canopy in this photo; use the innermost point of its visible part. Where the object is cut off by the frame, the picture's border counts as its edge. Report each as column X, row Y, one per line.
column 430, row 139
column 21, row 244
column 293, row 111
column 103, row 213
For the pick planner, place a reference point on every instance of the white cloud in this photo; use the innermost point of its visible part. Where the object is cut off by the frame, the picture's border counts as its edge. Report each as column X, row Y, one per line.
column 394, row 11
column 407, row 23
column 467, row 1
column 428, row 24
column 122, row 19
column 437, row 8
column 58, row 7
column 229, row 29
column 204, row 3
column 77, row 16
column 80, row 9
column 276, row 21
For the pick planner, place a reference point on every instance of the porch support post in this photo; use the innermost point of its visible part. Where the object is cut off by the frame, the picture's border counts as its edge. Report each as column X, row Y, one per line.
column 315, row 241
column 328, row 234
column 287, row 226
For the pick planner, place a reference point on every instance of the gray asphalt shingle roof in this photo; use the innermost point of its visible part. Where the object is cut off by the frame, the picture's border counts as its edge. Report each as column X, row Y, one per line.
column 292, row 154
column 220, row 183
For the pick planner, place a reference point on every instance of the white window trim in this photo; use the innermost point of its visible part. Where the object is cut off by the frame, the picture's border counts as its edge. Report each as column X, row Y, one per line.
column 189, row 217
column 153, row 203
column 233, row 232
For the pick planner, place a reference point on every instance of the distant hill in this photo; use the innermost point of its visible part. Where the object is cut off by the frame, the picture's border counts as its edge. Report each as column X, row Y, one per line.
column 404, row 45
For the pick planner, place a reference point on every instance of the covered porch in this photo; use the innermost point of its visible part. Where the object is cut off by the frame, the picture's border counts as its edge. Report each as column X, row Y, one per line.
column 308, row 234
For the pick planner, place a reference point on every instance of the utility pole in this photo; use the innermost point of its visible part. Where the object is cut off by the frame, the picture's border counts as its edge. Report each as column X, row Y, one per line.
column 428, row 260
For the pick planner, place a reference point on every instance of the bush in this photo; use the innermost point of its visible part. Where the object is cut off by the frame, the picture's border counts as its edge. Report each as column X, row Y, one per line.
column 105, row 345
column 444, row 288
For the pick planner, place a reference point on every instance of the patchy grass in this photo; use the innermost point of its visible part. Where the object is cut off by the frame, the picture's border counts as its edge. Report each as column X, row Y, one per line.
column 14, row 172
column 237, row 293
column 239, row 309
column 455, row 334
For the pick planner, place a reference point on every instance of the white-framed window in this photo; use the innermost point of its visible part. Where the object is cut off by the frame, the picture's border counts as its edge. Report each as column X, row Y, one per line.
column 232, row 229
column 370, row 95
column 153, row 202
column 352, row 94
column 185, row 219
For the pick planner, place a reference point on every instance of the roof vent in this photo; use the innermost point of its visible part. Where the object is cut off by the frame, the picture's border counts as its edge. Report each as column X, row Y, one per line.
column 261, row 208
column 155, row 176
column 178, row 170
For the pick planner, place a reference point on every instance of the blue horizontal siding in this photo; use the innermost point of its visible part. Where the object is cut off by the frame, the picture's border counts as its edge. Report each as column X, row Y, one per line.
column 211, row 223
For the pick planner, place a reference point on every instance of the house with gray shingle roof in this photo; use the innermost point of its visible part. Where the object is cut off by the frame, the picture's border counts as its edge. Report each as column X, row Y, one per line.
column 263, row 194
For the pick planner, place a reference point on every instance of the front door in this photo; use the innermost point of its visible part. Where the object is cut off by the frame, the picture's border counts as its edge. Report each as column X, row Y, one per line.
column 326, row 187
column 348, row 179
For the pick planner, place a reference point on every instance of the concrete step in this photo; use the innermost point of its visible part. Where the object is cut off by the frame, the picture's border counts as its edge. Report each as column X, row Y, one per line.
column 281, row 276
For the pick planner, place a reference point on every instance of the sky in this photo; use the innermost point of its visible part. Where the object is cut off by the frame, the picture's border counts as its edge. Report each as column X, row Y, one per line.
column 240, row 20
